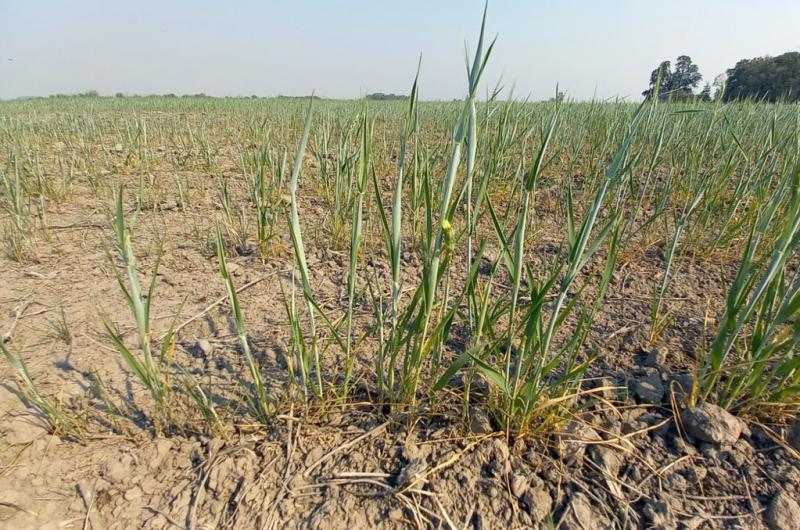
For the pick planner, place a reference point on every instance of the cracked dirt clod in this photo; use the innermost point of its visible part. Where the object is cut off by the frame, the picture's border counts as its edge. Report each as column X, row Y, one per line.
column 480, row 422
column 538, row 502
column 649, row 389
column 606, row 458
column 411, row 473
column 519, row 485
column 659, row 516
column 783, row 512
column 580, row 514
column 313, row 455
column 571, row 443
column 205, row 347
column 713, row 424
column 657, row 358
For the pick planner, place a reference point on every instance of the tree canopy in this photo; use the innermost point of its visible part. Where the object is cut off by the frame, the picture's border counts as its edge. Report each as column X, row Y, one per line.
column 674, row 84
column 765, row 78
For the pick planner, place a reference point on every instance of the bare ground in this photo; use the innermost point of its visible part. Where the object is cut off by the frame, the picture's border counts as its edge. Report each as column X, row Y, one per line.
column 620, row 463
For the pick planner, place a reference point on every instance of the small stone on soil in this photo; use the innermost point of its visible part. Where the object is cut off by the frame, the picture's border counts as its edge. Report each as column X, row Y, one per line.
column 713, row 424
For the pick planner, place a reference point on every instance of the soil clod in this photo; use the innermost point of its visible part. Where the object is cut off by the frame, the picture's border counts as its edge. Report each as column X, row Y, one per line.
column 713, row 424
column 783, row 512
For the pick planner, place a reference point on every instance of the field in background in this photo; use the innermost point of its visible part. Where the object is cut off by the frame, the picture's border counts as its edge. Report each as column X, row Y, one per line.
column 398, row 313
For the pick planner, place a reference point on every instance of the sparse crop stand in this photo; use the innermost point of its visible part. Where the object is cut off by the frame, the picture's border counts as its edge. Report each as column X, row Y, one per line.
column 301, row 312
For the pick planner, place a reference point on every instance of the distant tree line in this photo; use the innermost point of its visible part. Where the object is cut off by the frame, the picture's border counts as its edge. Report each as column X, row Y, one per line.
column 96, row 94
column 765, row 78
column 87, row 94
column 168, row 95
column 298, row 97
column 380, row 96
column 762, row 78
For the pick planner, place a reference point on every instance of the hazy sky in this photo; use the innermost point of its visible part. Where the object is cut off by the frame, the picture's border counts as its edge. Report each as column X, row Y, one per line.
column 346, row 48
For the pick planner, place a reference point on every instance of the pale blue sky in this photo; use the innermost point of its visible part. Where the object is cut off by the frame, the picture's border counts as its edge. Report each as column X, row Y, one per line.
column 348, row 47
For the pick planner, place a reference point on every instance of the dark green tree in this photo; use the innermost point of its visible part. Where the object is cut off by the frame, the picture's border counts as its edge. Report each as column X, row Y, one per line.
column 674, row 84
column 765, row 78
column 660, row 79
column 686, row 76
column 705, row 94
